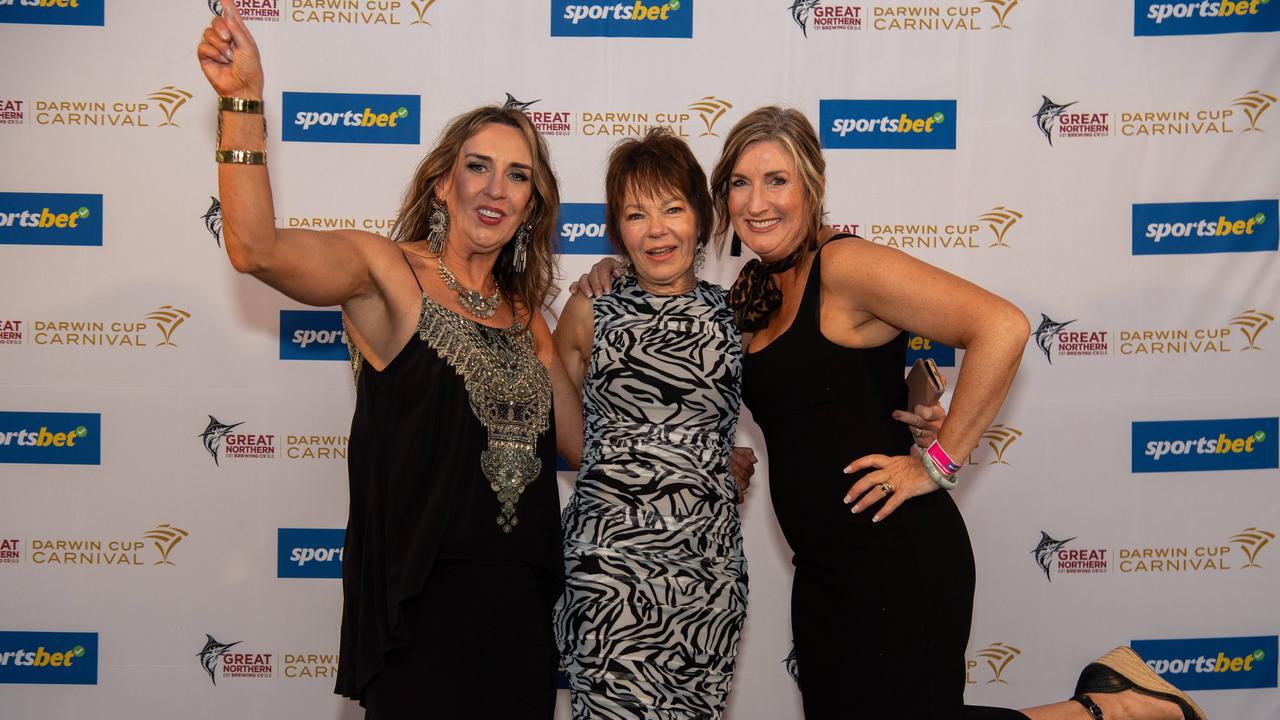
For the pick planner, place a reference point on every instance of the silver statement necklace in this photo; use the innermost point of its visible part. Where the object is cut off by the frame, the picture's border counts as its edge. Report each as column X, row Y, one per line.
column 473, row 301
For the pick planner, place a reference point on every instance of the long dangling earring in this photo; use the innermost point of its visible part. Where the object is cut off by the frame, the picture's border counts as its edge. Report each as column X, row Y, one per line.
column 522, row 244
column 699, row 259
column 437, row 226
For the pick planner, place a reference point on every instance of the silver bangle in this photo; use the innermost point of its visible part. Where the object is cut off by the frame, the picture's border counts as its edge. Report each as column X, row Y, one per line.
column 941, row 479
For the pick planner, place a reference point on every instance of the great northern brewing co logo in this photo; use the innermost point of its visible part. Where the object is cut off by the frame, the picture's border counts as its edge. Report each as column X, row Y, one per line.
column 1243, row 114
column 251, row 10
column 1065, row 339
column 900, row 17
column 1239, row 552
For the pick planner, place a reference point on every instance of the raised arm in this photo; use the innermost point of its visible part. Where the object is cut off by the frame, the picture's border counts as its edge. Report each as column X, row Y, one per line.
column 316, row 268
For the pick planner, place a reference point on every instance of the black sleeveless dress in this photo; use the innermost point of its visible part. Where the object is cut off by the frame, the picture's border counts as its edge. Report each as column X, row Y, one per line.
column 444, row 613
column 879, row 612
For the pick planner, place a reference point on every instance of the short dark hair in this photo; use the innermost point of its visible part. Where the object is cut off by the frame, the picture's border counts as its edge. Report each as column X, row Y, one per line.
column 654, row 165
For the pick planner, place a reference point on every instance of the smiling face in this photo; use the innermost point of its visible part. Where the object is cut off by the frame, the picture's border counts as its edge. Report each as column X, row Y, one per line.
column 660, row 235
column 488, row 191
column 767, row 200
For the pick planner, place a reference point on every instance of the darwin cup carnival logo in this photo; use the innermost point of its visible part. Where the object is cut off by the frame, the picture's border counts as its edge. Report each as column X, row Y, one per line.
column 96, row 552
column 115, row 334
column 213, row 219
column 165, row 537
column 999, row 220
column 909, row 17
column 118, row 113
column 998, row 656
column 1251, row 323
column 1254, row 104
column 1251, row 541
column 999, row 437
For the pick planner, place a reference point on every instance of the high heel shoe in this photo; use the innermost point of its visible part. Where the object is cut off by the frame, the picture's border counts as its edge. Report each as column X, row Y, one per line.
column 1123, row 669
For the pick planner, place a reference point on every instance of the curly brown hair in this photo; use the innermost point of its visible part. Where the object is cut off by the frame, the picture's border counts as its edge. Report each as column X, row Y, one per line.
column 532, row 286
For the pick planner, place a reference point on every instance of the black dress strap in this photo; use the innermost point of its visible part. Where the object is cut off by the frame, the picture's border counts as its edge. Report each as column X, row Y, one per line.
column 813, row 285
column 412, row 272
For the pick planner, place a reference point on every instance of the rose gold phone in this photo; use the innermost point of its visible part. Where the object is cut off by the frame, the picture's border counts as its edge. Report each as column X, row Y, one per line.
column 924, row 384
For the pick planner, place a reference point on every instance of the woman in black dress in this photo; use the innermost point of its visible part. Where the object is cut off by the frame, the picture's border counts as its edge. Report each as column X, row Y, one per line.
column 452, row 562
column 883, row 591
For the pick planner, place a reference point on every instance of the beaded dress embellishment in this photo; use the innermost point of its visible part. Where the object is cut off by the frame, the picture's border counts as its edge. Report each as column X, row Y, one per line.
column 510, row 394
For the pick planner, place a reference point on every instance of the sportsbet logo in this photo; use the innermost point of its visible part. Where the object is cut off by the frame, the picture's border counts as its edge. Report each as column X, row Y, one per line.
column 1205, row 227
column 57, row 658
column 635, row 18
column 50, row 219
column 312, row 335
column 582, row 229
column 1213, row 663
column 351, row 118
column 52, row 12
column 1204, row 445
column 50, row 438
column 888, row 124
column 309, row 552
column 1204, row 17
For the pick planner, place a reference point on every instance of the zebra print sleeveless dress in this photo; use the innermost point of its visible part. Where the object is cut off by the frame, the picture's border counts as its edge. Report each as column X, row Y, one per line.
column 656, row 581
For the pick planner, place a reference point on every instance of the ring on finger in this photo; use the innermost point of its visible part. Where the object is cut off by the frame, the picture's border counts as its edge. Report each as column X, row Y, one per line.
column 916, row 431
column 886, row 488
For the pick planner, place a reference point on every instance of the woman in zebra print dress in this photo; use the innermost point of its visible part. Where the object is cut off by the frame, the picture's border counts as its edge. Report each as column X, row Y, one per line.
column 656, row 581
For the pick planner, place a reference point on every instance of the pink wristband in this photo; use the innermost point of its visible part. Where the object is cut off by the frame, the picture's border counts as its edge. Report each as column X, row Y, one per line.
column 942, row 459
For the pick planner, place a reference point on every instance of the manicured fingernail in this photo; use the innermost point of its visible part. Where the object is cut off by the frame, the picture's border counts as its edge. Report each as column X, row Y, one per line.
column 848, row 499
column 224, row 35
column 856, row 510
column 875, row 519
column 227, row 55
column 847, row 469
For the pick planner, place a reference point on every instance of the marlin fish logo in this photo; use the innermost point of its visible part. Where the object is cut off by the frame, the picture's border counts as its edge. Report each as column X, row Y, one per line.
column 789, row 662
column 1047, row 331
column 800, row 11
column 1048, row 114
column 213, row 435
column 1045, row 550
column 213, row 219
column 515, row 104
column 210, row 654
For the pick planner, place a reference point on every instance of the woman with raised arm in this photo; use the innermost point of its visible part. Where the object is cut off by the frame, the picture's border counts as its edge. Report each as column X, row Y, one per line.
column 655, row 578
column 882, row 596
column 452, row 562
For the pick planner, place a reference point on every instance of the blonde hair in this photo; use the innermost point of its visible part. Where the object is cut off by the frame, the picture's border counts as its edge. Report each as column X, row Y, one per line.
column 793, row 131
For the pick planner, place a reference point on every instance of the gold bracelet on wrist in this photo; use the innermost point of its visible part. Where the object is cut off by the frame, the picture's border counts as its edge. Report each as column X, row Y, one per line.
column 240, row 105
column 241, row 157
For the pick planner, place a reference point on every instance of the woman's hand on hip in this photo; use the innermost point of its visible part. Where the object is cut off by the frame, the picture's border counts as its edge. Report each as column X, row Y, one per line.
column 229, row 56
column 895, row 479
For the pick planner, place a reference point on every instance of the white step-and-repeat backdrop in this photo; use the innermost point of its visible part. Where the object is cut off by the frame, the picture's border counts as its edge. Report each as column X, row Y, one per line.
column 173, row 435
